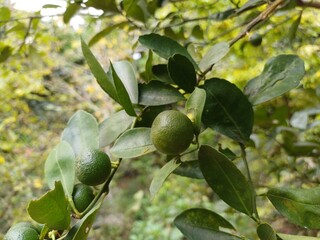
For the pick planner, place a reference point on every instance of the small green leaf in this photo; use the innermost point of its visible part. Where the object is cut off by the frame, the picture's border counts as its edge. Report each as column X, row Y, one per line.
column 127, row 75
column 198, row 223
column 51, row 209
column 165, row 47
column 111, row 128
column 82, row 133
column 148, row 68
column 280, row 74
column 214, row 55
column 295, row 237
column 195, row 106
column 160, row 72
column 71, row 10
column 157, row 93
column 136, row 9
column 82, row 228
column 5, row 53
column 51, row 6
column 182, row 72
column 190, row 169
column 60, row 166
column 300, row 206
column 265, row 232
column 294, row 27
column 133, row 143
column 5, row 14
column 227, row 110
column 122, row 93
column 103, row 33
column 161, row 175
column 226, row 180
column 108, row 6
column 105, row 81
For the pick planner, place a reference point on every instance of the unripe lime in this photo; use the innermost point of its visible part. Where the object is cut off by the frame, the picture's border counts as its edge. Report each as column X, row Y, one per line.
column 93, row 168
column 172, row 132
column 21, row 232
column 82, row 196
column 255, row 39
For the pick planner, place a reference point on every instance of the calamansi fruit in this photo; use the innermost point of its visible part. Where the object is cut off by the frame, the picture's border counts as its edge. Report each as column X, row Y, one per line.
column 82, row 196
column 93, row 168
column 255, row 39
column 22, row 231
column 172, row 132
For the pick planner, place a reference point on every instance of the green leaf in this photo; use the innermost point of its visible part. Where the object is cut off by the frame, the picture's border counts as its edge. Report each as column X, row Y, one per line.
column 105, row 81
column 71, row 10
column 198, row 223
column 122, row 93
column 148, row 68
column 157, row 93
column 190, row 169
column 136, row 9
column 227, row 110
column 5, row 15
column 51, row 6
column 148, row 115
column 96, row 38
column 295, row 237
column 182, row 72
column 161, row 175
column 60, row 166
column 133, row 143
column 165, row 47
column 300, row 206
column 195, row 106
column 249, row 5
column 214, row 55
column 265, row 232
column 294, row 27
column 111, row 128
column 82, row 133
column 5, row 53
column 51, row 209
column 105, row 5
column 82, row 228
column 127, row 75
column 160, row 72
column 280, row 74
column 226, row 180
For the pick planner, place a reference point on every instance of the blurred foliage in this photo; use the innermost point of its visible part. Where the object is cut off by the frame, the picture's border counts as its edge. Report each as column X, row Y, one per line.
column 44, row 80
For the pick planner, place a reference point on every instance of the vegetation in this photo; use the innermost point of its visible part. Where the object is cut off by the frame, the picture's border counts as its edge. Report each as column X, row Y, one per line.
column 245, row 72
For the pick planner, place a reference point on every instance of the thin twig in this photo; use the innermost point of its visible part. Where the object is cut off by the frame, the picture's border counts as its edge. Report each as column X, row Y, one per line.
column 26, row 35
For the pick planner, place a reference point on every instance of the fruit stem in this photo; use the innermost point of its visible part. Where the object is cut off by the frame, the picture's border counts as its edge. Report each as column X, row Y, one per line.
column 244, row 157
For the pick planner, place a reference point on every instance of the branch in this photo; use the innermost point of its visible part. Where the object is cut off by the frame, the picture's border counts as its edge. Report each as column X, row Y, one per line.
column 311, row 4
column 262, row 16
column 30, row 17
column 26, row 35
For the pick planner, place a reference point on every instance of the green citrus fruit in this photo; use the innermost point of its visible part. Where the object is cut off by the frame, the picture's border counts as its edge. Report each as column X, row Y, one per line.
column 172, row 132
column 82, row 196
column 255, row 39
column 21, row 232
column 93, row 168
column 25, row 224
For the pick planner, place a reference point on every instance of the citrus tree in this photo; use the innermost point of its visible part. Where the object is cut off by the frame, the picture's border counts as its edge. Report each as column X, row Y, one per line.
column 170, row 102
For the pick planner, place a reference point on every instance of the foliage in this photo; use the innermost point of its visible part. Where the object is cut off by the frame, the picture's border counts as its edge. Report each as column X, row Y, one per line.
column 262, row 124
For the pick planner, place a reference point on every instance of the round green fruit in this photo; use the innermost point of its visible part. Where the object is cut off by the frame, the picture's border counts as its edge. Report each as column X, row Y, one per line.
column 82, row 196
column 255, row 39
column 22, row 231
column 93, row 168
column 172, row 132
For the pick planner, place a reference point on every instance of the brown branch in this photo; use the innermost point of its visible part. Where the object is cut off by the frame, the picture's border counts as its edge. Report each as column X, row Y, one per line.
column 26, row 35
column 311, row 4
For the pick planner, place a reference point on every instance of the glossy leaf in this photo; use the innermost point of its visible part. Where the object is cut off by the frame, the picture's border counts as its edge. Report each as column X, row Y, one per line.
column 111, row 128
column 195, row 106
column 161, row 175
column 198, row 223
column 157, row 93
column 300, row 206
column 160, row 72
column 227, row 110
column 190, row 169
column 133, row 143
column 280, row 74
column 294, row 28
column 60, row 166
column 122, row 93
column 96, row 38
column 214, row 55
column 82, row 133
column 51, row 209
column 127, row 75
column 165, row 47
column 82, row 228
column 182, row 72
column 295, row 237
column 226, row 180
column 105, row 81
column 71, row 10
column 136, row 9
column 265, row 232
